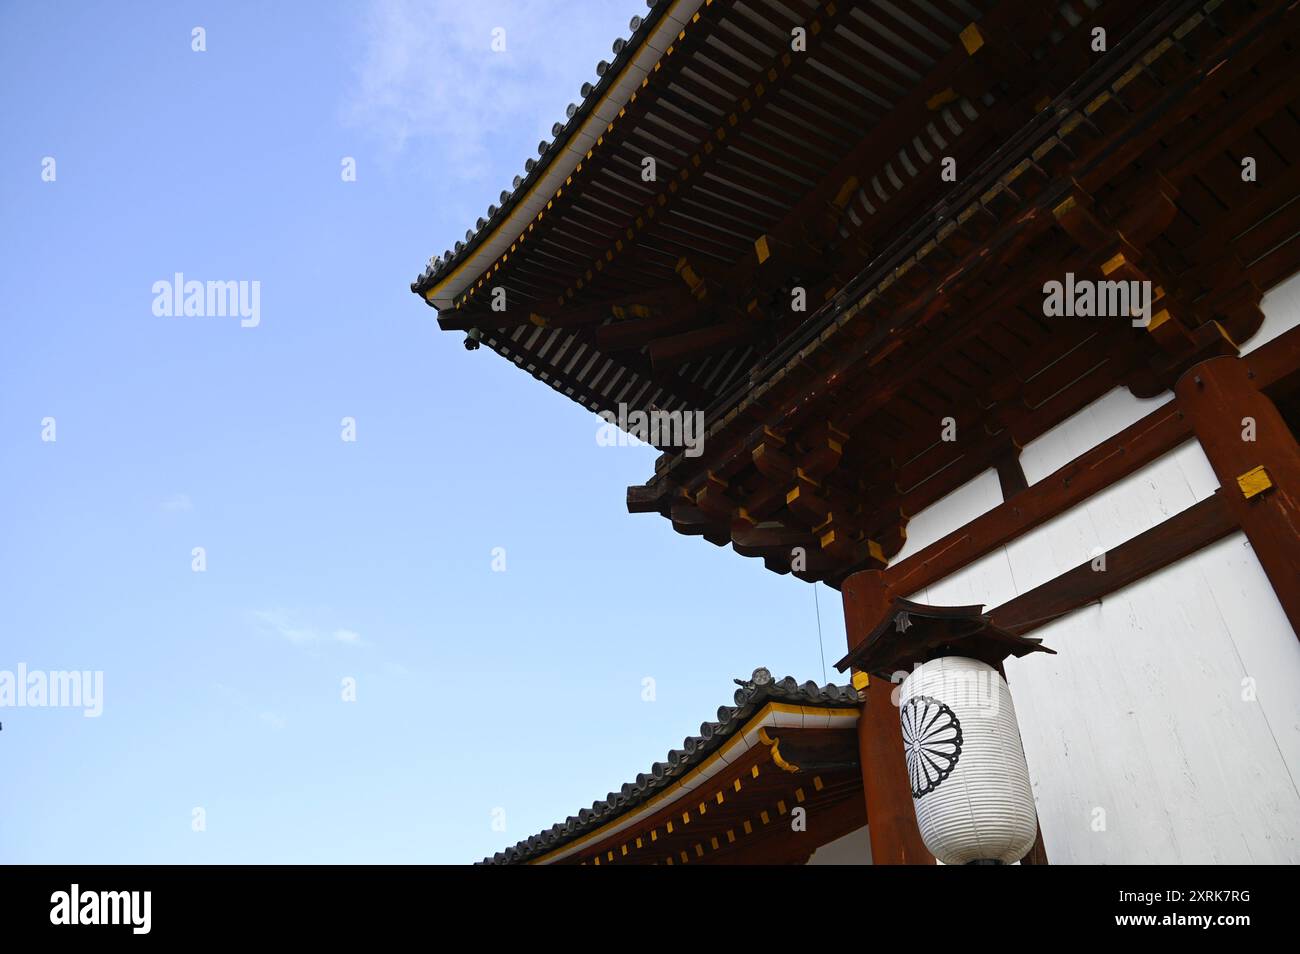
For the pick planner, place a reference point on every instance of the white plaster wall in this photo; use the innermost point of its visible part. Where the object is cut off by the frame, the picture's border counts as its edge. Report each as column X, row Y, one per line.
column 1167, row 730
column 851, row 849
column 1140, row 501
column 1281, row 308
column 948, row 513
column 1100, row 420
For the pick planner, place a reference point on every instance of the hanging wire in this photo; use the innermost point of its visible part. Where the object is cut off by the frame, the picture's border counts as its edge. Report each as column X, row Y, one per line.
column 820, row 645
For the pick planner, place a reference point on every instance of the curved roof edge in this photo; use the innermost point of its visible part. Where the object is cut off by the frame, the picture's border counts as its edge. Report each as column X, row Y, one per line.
column 754, row 693
column 448, row 275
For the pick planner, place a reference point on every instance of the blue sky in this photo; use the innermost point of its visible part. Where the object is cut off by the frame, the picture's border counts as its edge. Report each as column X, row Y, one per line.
column 371, row 560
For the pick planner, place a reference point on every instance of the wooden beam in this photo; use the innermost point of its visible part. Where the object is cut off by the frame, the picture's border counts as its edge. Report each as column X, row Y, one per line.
column 1255, row 456
column 1011, row 476
column 1181, row 535
column 634, row 333
column 1132, row 448
column 672, row 352
column 891, row 818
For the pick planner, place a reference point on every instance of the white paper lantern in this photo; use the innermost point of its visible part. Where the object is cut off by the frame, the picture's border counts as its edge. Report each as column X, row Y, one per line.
column 966, row 764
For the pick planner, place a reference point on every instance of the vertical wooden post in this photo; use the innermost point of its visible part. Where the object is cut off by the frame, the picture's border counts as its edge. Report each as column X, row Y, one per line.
column 891, row 819
column 1225, row 406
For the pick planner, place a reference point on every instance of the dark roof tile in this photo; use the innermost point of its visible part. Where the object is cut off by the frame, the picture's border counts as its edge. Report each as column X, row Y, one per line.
column 753, row 693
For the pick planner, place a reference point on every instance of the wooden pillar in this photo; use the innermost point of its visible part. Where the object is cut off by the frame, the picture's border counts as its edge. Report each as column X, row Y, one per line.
column 891, row 819
column 1224, row 405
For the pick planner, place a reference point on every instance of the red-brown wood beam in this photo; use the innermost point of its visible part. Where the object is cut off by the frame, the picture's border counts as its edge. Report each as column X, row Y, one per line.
column 1181, row 535
column 1255, row 456
column 1137, row 445
column 891, row 819
column 672, row 352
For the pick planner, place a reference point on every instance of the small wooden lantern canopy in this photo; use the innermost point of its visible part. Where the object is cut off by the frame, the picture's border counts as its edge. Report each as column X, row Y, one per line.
column 914, row 633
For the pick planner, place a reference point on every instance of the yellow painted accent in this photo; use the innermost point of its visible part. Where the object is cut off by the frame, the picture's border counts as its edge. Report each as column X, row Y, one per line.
column 941, row 99
column 1064, row 207
column 798, row 794
column 714, row 842
column 736, row 783
column 625, row 849
column 686, row 818
column 611, row 855
column 861, row 680
column 972, row 39
column 764, row 817
column 684, row 858
column 792, row 496
column 731, row 836
column 780, row 806
column 673, row 793
column 654, row 834
column 846, row 192
column 1223, row 333
column 699, row 850
column 1159, row 318
column 1112, row 263
column 537, row 319
column 817, row 783
column 775, row 745
column 876, row 552
column 749, row 829
column 761, row 250
column 719, row 798
column 1254, row 482
column 638, row 842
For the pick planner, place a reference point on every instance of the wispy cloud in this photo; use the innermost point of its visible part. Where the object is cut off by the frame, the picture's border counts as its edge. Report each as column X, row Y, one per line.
column 273, row 719
column 349, row 637
column 428, row 70
column 240, row 701
column 294, row 628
